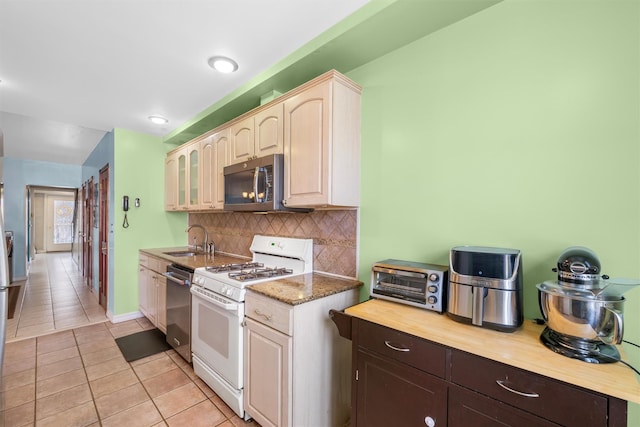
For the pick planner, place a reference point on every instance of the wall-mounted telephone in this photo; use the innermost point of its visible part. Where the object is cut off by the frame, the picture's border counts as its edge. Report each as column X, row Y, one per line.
column 125, row 208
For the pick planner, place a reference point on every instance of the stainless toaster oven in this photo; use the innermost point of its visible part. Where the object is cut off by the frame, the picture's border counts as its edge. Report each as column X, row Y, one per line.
column 408, row 282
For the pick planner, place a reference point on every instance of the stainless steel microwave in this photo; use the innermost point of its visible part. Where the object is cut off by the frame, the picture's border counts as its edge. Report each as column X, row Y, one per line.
column 255, row 185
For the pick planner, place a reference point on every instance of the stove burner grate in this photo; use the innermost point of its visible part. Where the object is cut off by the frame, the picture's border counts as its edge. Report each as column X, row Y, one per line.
column 259, row 273
column 235, row 267
column 578, row 348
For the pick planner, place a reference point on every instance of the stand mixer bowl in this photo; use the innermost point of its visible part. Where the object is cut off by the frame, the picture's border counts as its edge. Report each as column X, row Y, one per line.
column 580, row 314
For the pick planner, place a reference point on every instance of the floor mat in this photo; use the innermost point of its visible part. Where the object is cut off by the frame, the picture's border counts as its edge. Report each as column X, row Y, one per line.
column 142, row 344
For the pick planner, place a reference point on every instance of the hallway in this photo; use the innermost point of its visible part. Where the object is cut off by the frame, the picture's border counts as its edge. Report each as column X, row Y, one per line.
column 53, row 298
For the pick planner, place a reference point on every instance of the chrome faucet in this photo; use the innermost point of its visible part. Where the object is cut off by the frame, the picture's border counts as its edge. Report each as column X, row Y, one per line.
column 204, row 232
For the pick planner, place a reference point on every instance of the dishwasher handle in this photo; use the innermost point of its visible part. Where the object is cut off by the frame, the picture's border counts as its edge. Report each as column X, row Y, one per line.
column 177, row 280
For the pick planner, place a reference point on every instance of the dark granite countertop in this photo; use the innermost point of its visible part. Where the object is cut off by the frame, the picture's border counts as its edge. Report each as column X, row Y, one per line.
column 304, row 288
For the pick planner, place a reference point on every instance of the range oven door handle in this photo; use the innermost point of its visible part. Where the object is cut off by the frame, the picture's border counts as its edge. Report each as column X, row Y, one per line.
column 232, row 306
column 172, row 278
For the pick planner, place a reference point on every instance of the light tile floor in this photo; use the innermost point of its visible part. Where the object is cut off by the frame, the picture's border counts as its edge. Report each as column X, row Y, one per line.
column 53, row 298
column 78, row 377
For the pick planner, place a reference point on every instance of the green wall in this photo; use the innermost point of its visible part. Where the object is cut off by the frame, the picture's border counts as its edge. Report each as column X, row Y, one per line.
column 139, row 173
column 516, row 127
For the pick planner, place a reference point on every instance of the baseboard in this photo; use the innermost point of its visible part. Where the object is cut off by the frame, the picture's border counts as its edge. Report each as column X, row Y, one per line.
column 124, row 317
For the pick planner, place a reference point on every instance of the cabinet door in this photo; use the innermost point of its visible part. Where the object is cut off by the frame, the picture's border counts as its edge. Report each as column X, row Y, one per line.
column 143, row 284
column 193, row 152
column 267, row 374
column 207, row 173
column 241, row 145
column 161, row 308
column 170, row 183
column 467, row 408
column 152, row 297
column 306, row 147
column 183, row 177
column 394, row 394
column 268, row 131
column 220, row 143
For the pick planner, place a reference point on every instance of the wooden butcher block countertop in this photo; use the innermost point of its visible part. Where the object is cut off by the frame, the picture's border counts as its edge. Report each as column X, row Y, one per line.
column 521, row 349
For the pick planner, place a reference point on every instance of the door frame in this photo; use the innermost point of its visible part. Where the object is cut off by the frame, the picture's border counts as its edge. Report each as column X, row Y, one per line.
column 30, row 190
column 87, row 232
column 103, row 233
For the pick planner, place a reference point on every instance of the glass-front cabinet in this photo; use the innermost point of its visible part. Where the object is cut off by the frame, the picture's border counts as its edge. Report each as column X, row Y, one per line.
column 181, row 168
column 194, row 152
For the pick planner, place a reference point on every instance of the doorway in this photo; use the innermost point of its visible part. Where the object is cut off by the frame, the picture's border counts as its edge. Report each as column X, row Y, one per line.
column 51, row 214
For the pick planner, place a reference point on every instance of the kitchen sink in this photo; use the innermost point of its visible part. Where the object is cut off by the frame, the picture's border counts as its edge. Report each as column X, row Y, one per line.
column 184, row 253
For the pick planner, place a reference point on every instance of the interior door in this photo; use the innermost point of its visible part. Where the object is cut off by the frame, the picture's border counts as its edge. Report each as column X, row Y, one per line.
column 87, row 233
column 103, row 273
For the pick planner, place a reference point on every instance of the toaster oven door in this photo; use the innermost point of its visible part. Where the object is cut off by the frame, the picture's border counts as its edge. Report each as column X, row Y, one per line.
column 400, row 285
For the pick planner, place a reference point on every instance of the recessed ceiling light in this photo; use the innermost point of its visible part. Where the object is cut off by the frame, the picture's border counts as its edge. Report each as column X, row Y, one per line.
column 223, row 64
column 159, row 120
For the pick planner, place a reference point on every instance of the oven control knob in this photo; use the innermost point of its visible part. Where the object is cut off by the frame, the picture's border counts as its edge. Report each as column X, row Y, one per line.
column 432, row 299
column 224, row 289
column 229, row 291
column 433, row 277
column 432, row 288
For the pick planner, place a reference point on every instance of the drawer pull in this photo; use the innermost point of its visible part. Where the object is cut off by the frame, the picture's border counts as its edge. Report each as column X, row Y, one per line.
column 267, row 317
column 519, row 393
column 392, row 347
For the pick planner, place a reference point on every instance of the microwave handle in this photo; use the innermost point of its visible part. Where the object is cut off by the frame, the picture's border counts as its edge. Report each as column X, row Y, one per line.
column 256, row 175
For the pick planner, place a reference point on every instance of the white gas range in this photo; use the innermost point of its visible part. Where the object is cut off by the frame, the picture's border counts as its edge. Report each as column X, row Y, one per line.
column 218, row 310
column 273, row 257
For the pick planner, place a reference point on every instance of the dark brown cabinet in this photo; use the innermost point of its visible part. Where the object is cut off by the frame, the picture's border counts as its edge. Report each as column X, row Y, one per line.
column 556, row 401
column 401, row 379
column 394, row 394
column 468, row 408
column 398, row 379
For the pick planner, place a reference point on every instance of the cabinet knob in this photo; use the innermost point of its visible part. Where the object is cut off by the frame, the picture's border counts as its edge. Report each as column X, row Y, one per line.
column 430, row 422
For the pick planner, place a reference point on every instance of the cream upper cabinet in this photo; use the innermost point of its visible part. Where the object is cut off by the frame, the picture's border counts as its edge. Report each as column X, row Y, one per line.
column 241, row 142
column 316, row 126
column 187, row 165
column 193, row 153
column 257, row 135
column 322, row 144
column 268, row 131
column 207, row 173
column 213, row 160
column 171, row 182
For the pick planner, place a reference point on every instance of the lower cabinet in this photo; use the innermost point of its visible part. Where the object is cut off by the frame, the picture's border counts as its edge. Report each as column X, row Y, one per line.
column 400, row 379
column 468, row 408
column 152, row 290
column 296, row 366
column 394, row 394
column 268, row 376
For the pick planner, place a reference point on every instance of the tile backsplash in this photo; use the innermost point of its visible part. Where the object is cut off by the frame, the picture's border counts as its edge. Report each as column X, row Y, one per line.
column 334, row 234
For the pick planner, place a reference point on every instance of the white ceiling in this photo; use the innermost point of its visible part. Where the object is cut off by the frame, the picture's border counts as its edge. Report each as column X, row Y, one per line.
column 72, row 70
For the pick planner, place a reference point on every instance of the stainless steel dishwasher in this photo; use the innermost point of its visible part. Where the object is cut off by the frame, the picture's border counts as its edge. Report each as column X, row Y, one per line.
column 179, row 309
